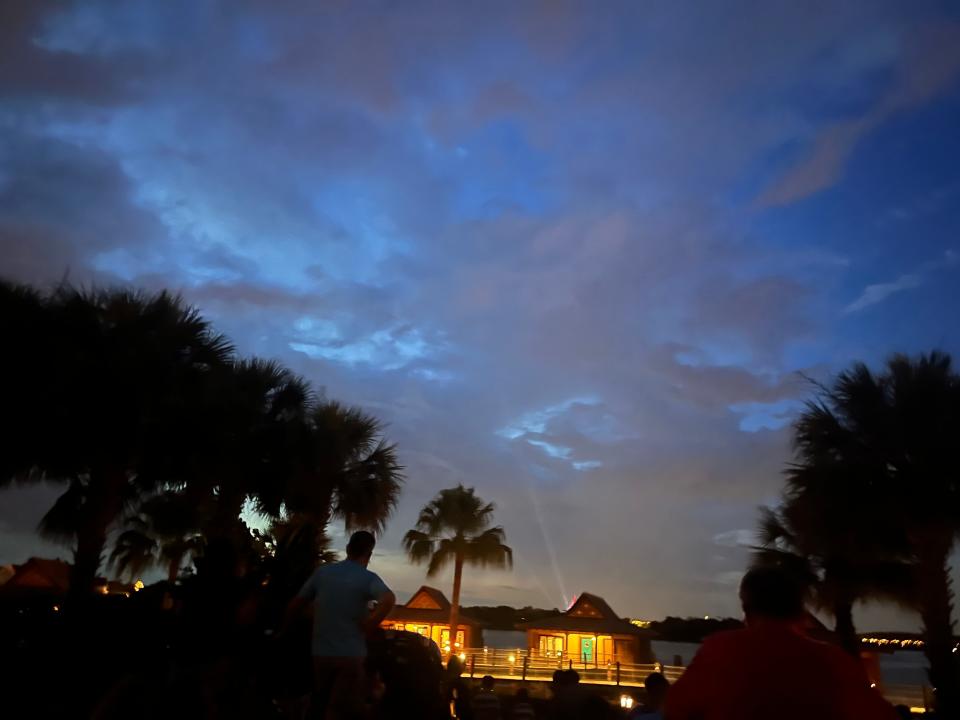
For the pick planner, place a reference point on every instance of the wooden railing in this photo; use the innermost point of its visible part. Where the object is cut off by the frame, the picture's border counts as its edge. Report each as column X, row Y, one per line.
column 524, row 665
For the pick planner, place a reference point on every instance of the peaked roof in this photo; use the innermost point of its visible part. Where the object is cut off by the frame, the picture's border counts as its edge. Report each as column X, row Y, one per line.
column 41, row 574
column 589, row 613
column 428, row 598
column 427, row 605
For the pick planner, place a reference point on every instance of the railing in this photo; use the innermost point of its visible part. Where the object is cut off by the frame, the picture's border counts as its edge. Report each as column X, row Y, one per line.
column 524, row 665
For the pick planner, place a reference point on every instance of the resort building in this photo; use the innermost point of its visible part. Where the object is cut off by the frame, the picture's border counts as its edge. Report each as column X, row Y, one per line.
column 590, row 632
column 428, row 613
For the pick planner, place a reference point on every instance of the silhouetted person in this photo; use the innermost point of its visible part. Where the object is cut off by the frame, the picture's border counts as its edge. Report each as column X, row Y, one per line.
column 656, row 686
column 341, row 593
column 456, row 693
column 522, row 707
column 570, row 698
column 770, row 669
column 486, row 705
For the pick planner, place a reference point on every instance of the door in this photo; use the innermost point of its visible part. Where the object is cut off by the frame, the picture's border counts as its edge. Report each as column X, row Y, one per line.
column 587, row 649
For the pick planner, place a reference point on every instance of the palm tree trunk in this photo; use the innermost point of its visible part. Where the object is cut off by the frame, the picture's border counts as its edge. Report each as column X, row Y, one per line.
column 936, row 610
column 844, row 628
column 455, row 603
column 91, row 540
column 103, row 505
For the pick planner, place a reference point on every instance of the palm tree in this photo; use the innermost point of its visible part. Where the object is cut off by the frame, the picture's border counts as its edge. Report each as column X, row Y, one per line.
column 455, row 527
column 255, row 418
column 821, row 535
column 117, row 387
column 24, row 383
column 163, row 531
column 345, row 470
column 894, row 434
column 134, row 550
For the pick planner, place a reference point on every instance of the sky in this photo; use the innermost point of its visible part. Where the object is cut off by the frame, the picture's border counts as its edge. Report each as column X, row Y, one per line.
column 584, row 257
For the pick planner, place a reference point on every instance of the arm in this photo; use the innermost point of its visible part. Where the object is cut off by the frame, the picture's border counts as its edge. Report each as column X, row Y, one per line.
column 385, row 602
column 294, row 609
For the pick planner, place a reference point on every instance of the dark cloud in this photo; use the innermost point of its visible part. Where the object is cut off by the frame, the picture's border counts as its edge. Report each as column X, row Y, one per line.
column 524, row 235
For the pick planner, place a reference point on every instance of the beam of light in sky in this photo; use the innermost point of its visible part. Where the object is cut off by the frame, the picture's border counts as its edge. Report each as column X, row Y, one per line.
column 549, row 543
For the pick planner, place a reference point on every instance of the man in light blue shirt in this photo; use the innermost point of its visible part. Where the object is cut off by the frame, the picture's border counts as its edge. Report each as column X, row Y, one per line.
column 341, row 593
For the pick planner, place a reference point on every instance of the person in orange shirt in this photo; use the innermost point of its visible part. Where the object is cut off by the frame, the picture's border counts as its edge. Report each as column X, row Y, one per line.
column 770, row 669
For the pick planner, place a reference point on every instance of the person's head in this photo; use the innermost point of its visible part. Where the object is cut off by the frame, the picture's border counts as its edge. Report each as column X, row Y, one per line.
column 523, row 695
column 771, row 593
column 487, row 683
column 656, row 686
column 454, row 666
column 571, row 677
column 360, row 547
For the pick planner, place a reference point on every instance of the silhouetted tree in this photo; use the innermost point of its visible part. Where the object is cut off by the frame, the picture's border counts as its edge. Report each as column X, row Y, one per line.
column 822, row 535
column 118, row 378
column 345, row 471
column 893, row 437
column 454, row 527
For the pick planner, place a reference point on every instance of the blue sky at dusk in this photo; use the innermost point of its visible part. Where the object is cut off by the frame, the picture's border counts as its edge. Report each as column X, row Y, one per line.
column 577, row 255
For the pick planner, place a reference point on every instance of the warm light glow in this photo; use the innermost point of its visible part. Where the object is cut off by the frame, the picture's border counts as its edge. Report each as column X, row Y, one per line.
column 463, row 656
column 706, row 617
column 626, row 702
column 56, row 608
column 103, row 590
column 640, row 623
column 904, row 643
column 138, row 585
column 512, row 658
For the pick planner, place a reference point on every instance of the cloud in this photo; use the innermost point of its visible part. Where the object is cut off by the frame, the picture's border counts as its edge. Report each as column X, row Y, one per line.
column 877, row 293
column 929, row 63
column 736, row 538
column 874, row 294
column 519, row 241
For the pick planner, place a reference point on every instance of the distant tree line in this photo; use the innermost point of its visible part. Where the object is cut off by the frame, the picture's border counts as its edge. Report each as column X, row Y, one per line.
column 503, row 617
column 159, row 433
column 672, row 629
column 691, row 629
column 871, row 507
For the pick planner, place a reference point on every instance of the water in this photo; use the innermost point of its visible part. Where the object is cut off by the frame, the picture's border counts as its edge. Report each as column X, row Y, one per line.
column 505, row 639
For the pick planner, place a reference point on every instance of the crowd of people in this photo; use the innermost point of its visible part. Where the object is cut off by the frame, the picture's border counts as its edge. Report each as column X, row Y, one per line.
column 768, row 669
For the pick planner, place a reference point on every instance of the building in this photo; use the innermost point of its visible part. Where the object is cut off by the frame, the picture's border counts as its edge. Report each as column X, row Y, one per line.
column 39, row 576
column 42, row 577
column 428, row 613
column 590, row 632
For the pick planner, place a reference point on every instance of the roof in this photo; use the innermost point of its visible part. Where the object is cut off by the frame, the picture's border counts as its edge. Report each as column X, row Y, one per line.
column 428, row 605
column 41, row 574
column 589, row 613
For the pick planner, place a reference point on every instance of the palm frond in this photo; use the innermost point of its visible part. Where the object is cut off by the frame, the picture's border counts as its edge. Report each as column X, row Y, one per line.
column 419, row 546
column 444, row 553
column 488, row 549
